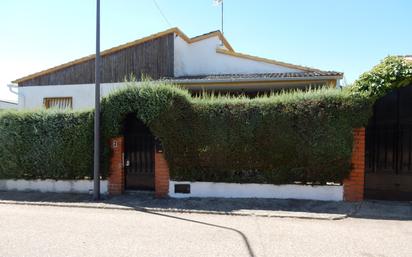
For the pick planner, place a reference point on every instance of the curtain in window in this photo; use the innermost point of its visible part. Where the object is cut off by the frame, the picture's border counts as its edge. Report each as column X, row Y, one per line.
column 58, row 102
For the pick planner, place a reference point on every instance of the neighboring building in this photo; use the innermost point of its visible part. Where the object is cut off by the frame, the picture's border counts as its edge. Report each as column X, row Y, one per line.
column 206, row 62
column 408, row 58
column 7, row 105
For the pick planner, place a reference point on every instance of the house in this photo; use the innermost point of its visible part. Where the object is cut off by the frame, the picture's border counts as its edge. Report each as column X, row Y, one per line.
column 205, row 62
column 7, row 105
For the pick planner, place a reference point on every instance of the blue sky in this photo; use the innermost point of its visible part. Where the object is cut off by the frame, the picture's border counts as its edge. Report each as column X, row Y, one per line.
column 346, row 35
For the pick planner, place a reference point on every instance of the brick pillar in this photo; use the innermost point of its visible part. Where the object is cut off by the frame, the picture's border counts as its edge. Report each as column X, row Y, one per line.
column 353, row 186
column 161, row 175
column 116, row 172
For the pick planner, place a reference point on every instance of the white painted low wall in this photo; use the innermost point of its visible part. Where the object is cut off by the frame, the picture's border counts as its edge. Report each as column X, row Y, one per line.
column 49, row 185
column 233, row 190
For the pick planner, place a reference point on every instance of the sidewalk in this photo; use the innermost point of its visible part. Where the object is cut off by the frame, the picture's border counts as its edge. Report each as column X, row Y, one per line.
column 144, row 201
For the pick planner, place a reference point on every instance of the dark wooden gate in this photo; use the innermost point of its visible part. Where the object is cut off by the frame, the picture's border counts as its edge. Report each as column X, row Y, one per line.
column 388, row 173
column 139, row 155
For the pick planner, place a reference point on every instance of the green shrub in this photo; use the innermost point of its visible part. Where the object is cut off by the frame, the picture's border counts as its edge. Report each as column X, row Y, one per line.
column 46, row 144
column 391, row 73
column 298, row 136
column 295, row 136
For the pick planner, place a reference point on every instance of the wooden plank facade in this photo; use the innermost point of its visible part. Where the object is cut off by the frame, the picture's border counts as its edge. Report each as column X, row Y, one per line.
column 154, row 58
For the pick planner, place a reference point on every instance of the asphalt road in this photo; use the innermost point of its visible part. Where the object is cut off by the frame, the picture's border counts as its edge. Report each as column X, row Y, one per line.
column 58, row 231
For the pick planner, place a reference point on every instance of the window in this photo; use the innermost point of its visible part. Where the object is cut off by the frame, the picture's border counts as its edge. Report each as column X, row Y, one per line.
column 58, row 102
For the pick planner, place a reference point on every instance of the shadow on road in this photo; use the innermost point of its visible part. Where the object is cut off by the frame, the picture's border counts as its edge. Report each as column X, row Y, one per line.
column 240, row 233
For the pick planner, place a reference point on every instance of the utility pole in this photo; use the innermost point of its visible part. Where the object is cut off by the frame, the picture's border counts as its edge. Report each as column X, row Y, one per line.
column 222, row 18
column 220, row 3
column 96, row 159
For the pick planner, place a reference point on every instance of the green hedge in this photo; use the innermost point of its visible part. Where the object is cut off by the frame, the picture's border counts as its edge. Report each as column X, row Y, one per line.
column 298, row 136
column 295, row 136
column 391, row 73
column 46, row 145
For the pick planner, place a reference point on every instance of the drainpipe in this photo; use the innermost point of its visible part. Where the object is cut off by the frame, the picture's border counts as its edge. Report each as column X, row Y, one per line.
column 16, row 92
column 338, row 85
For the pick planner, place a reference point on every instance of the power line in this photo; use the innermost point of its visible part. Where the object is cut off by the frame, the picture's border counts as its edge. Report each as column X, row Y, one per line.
column 160, row 11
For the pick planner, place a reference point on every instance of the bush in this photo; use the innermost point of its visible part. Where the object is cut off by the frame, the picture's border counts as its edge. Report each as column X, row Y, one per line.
column 298, row 136
column 391, row 73
column 46, row 144
column 295, row 136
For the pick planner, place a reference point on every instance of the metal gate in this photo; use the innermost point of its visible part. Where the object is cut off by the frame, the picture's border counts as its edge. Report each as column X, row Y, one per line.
column 139, row 155
column 388, row 173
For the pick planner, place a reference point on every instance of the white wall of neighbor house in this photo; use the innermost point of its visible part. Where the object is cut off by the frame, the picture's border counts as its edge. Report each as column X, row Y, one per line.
column 201, row 58
column 49, row 185
column 31, row 97
column 235, row 190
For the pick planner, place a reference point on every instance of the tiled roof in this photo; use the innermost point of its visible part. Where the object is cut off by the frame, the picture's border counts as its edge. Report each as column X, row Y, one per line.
column 206, row 34
column 262, row 76
column 408, row 57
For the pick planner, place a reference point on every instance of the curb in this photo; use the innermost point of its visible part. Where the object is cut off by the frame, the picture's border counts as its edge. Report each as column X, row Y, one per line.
column 256, row 213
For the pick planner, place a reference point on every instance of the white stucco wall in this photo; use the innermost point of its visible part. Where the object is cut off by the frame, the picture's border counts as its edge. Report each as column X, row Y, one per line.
column 83, row 95
column 234, row 190
column 7, row 105
column 201, row 58
column 49, row 185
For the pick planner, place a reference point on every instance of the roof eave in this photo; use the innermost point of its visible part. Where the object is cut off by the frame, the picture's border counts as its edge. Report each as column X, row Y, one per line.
column 174, row 30
column 250, row 80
